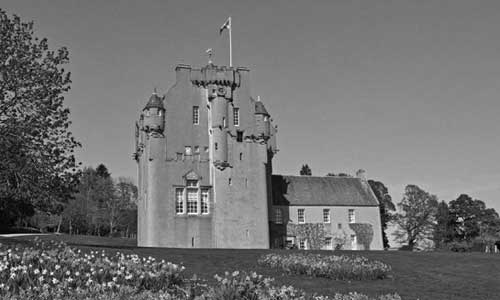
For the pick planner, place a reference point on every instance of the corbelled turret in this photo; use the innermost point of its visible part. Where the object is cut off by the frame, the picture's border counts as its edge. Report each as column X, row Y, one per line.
column 154, row 115
column 263, row 125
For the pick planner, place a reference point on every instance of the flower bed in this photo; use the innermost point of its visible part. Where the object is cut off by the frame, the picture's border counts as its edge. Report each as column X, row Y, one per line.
column 56, row 271
column 330, row 266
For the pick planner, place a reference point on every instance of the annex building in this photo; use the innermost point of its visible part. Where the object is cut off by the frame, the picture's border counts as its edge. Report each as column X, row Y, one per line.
column 204, row 152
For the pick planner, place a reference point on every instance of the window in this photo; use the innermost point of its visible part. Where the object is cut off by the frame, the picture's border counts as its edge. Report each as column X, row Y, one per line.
column 301, row 216
column 160, row 112
column 206, row 149
column 352, row 217
column 216, row 146
column 303, row 244
column 196, row 149
column 339, row 225
column 147, row 113
column 179, row 201
column 224, row 122
column 326, row 216
column 236, row 116
column 188, row 150
column 328, row 243
column 204, row 201
column 241, row 156
column 196, row 115
column 192, row 201
column 278, row 216
column 239, row 136
column 192, row 183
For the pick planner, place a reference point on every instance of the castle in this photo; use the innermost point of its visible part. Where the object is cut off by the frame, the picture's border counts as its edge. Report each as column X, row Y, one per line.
column 204, row 154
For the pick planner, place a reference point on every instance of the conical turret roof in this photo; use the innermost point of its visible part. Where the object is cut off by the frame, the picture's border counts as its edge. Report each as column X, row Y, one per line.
column 260, row 109
column 154, row 102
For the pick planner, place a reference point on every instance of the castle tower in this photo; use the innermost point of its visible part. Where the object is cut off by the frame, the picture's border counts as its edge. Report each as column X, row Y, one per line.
column 209, row 186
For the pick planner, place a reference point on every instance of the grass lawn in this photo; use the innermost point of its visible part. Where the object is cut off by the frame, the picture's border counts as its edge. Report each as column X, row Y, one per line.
column 424, row 275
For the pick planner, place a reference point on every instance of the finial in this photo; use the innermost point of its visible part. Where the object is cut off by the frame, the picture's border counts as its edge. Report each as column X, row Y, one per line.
column 258, row 98
column 209, row 52
column 155, row 91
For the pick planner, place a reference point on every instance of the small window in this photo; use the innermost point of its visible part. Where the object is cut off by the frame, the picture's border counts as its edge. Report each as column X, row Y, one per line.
column 216, row 146
column 223, row 122
column 206, row 149
column 148, row 113
column 188, row 150
column 239, row 136
column 160, row 112
column 204, row 201
column 192, row 183
column 192, row 201
column 196, row 115
column 179, row 201
column 328, row 243
column 196, row 149
column 339, row 225
column 278, row 216
column 301, row 218
column 352, row 216
column 266, row 118
column 241, row 156
column 303, row 244
column 236, row 116
column 229, row 182
column 326, row 216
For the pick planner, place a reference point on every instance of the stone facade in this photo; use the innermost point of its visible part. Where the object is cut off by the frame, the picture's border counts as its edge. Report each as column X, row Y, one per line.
column 204, row 153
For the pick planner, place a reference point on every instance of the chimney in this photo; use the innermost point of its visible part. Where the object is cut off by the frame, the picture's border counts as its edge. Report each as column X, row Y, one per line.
column 361, row 174
column 182, row 72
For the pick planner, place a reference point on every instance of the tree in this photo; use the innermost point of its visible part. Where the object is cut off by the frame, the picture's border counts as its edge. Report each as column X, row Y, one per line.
column 443, row 229
column 305, row 170
column 468, row 215
column 38, row 168
column 385, row 206
column 415, row 216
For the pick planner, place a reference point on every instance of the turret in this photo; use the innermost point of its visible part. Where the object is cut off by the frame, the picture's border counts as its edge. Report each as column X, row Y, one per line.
column 263, row 124
column 154, row 115
column 219, row 107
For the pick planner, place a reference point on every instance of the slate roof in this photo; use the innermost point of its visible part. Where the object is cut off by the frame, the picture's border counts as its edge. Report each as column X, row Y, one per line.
column 324, row 191
column 260, row 108
column 154, row 101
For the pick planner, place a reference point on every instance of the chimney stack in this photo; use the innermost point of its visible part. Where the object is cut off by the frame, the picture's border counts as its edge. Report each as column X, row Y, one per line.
column 361, row 174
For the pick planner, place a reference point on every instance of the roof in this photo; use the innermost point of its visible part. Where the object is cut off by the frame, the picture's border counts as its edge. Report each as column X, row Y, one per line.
column 260, row 108
column 154, row 102
column 329, row 190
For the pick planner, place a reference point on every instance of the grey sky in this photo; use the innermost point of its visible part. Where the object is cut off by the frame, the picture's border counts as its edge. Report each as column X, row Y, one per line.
column 408, row 90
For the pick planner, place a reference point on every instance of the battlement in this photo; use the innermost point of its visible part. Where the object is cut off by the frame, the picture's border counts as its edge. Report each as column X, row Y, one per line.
column 211, row 75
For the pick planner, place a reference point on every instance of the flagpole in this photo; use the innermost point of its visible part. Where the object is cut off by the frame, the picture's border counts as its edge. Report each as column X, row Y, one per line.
column 230, row 44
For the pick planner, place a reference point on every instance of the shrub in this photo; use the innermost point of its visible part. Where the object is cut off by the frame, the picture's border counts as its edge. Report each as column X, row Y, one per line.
column 330, row 266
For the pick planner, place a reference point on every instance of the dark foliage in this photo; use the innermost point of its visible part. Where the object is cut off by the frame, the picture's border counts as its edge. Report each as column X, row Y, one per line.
column 305, row 170
column 385, row 207
column 37, row 169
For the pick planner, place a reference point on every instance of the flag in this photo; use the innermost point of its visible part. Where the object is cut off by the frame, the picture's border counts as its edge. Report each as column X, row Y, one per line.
column 226, row 24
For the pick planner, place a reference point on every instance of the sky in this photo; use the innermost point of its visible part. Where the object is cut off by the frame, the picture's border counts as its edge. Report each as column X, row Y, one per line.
column 407, row 90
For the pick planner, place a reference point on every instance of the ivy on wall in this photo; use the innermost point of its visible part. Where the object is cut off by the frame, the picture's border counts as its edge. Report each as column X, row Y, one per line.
column 364, row 233
column 314, row 233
